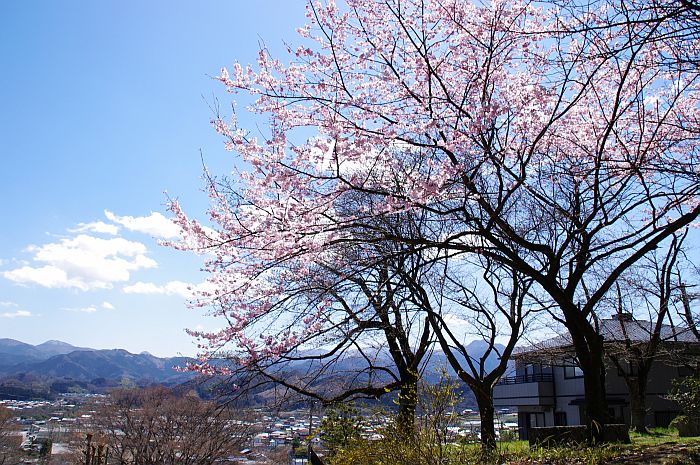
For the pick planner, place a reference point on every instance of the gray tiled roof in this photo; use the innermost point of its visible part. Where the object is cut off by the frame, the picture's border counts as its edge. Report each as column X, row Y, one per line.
column 640, row 331
column 616, row 330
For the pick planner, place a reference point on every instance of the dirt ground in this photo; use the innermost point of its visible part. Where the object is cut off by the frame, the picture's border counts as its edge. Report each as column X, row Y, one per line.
column 661, row 454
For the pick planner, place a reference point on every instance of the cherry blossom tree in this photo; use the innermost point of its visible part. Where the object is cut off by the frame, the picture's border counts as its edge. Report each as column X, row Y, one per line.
column 659, row 21
column 373, row 340
column 564, row 154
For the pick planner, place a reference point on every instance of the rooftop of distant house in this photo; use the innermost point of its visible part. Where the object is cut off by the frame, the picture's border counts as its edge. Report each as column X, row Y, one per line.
column 619, row 327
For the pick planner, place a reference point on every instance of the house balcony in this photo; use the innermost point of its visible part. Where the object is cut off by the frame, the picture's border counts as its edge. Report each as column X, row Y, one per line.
column 533, row 389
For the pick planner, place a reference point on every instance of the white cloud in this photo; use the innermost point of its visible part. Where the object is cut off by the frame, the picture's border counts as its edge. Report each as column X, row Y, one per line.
column 96, row 226
column 143, row 288
column 83, row 262
column 178, row 288
column 154, row 224
column 89, row 309
column 17, row 314
column 47, row 276
column 8, row 304
column 453, row 320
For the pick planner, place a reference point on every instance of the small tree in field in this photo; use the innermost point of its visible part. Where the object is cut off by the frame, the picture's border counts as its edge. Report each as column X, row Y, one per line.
column 494, row 307
column 562, row 153
column 153, row 425
column 9, row 442
column 340, row 426
column 649, row 293
column 431, row 442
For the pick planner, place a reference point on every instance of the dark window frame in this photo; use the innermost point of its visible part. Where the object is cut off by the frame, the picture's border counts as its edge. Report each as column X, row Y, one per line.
column 537, row 416
column 560, row 419
column 662, row 418
column 576, row 371
column 632, row 370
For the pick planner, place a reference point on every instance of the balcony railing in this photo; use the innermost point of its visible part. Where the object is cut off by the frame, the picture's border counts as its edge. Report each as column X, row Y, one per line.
column 531, row 378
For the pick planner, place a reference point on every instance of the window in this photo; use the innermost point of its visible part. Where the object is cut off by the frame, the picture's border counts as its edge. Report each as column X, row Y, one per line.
column 573, row 371
column 628, row 368
column 559, row 418
column 663, row 418
column 537, row 419
column 532, row 371
column 616, row 414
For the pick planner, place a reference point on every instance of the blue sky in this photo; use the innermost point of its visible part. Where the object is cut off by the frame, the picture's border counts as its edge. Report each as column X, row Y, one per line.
column 104, row 109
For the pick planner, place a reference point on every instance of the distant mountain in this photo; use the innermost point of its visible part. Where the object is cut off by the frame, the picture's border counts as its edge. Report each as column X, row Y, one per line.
column 56, row 366
column 114, row 364
column 41, row 371
column 476, row 349
column 351, row 371
column 54, row 347
column 12, row 352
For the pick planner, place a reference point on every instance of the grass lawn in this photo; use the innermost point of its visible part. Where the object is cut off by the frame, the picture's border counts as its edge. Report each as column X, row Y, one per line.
column 661, row 447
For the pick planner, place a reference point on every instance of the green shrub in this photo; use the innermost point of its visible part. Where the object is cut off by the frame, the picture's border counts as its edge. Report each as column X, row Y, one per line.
column 686, row 392
column 430, row 442
column 340, row 426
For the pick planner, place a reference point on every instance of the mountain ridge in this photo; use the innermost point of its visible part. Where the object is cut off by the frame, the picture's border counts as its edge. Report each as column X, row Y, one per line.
column 56, row 366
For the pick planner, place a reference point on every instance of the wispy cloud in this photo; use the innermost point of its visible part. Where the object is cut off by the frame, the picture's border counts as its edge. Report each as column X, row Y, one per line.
column 91, row 308
column 83, row 262
column 16, row 314
column 454, row 320
column 154, row 224
column 97, row 227
column 88, row 309
column 178, row 288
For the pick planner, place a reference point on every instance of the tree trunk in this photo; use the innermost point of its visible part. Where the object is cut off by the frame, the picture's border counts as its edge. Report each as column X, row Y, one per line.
column 637, row 387
column 588, row 345
column 484, row 400
column 408, row 401
column 638, row 409
column 596, row 409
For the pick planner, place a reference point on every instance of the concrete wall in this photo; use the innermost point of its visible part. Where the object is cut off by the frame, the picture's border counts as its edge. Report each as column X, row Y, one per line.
column 566, row 394
column 660, row 381
column 534, row 393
